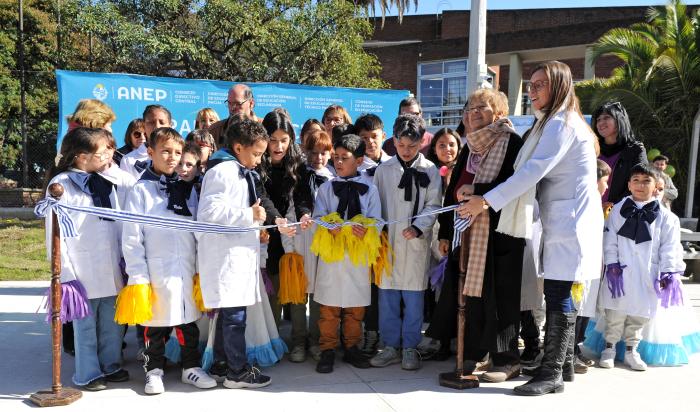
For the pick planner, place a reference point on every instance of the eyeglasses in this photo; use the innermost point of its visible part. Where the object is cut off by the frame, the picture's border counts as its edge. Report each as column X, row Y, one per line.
column 104, row 155
column 537, row 86
column 479, row 109
column 237, row 104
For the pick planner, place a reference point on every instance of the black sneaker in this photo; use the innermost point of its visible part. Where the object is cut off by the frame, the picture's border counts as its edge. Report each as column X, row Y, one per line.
column 354, row 356
column 98, row 384
column 119, row 376
column 218, row 371
column 325, row 365
column 248, row 377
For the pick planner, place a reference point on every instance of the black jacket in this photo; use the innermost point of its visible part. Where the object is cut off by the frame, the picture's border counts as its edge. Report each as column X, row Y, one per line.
column 632, row 154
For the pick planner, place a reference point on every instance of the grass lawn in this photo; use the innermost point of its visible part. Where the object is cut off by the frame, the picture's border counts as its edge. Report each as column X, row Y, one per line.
column 22, row 250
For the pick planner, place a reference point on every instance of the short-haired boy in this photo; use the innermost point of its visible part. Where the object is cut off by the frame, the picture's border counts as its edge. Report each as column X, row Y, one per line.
column 641, row 243
column 229, row 263
column 165, row 259
column 408, row 185
column 371, row 129
column 154, row 117
column 343, row 289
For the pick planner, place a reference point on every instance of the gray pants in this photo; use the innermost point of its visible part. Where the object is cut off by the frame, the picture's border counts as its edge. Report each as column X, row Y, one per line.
column 300, row 332
column 619, row 325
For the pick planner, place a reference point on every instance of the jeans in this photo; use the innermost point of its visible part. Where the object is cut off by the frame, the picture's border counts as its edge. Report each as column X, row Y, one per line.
column 232, row 323
column 397, row 332
column 557, row 296
column 98, row 342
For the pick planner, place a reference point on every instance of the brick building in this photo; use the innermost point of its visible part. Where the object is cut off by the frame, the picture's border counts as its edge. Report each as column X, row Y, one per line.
column 427, row 54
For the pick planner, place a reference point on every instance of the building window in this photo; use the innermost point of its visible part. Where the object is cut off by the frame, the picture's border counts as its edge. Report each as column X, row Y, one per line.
column 442, row 91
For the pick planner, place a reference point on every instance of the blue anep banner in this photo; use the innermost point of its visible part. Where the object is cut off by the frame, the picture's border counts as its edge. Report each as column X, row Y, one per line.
column 129, row 94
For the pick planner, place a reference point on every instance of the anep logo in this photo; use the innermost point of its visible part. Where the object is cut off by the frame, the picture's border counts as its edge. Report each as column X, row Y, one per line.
column 141, row 93
column 100, row 92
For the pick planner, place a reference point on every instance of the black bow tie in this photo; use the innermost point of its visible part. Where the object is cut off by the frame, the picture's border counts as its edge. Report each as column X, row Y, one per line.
column 178, row 193
column 316, row 180
column 96, row 186
column 348, row 193
column 412, row 176
column 250, row 177
column 141, row 165
column 636, row 227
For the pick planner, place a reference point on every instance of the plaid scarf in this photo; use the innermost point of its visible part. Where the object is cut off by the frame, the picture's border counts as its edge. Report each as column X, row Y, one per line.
column 489, row 146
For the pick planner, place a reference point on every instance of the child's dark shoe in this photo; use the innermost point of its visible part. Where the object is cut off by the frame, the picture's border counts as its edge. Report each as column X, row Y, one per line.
column 325, row 365
column 119, row 376
column 248, row 377
column 356, row 358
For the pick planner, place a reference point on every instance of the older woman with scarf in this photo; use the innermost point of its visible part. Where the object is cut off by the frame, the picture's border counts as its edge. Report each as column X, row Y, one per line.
column 618, row 148
column 495, row 260
column 557, row 168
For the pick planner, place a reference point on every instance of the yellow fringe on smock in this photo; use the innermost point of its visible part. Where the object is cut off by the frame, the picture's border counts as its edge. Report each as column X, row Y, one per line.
column 197, row 293
column 134, row 304
column 328, row 247
column 384, row 264
column 292, row 279
column 577, row 292
column 365, row 251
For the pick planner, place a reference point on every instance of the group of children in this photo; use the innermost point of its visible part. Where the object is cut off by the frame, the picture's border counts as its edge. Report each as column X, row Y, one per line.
column 362, row 282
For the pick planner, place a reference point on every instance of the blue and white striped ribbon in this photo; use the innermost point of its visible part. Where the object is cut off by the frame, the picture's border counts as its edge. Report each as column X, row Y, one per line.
column 460, row 225
column 67, row 226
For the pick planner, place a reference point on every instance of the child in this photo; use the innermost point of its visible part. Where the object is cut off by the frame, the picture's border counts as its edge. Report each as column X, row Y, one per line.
column 408, row 185
column 371, row 130
column 342, row 288
column 165, row 260
column 188, row 167
column 229, row 263
column 205, row 118
column 206, row 143
column 587, row 306
column 641, row 244
column 90, row 261
column 134, row 137
column 317, row 147
column 154, row 116
column 311, row 125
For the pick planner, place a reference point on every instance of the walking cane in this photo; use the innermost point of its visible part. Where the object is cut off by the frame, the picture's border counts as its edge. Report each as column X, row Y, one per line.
column 456, row 379
column 57, row 395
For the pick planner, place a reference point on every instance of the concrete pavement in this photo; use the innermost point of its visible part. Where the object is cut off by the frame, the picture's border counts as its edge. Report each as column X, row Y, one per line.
column 25, row 366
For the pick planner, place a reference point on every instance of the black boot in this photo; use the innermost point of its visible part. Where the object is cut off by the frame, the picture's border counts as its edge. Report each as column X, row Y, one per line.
column 556, row 341
column 567, row 369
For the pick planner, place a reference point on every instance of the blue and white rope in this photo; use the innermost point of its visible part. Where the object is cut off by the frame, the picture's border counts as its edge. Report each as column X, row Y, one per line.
column 67, row 226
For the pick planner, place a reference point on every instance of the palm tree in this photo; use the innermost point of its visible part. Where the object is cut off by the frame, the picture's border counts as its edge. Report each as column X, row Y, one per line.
column 384, row 5
column 659, row 82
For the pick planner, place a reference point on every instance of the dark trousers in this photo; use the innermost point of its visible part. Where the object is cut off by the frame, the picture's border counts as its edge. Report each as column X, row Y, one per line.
column 229, row 342
column 156, row 337
column 372, row 311
column 557, row 296
column 528, row 329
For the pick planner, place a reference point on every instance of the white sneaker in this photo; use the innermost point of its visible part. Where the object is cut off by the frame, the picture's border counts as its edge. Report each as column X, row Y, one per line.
column 607, row 358
column 298, row 354
column 197, row 377
column 634, row 360
column 154, row 382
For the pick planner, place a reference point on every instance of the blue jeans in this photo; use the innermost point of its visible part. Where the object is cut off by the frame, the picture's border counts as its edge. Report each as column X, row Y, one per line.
column 557, row 296
column 98, row 342
column 397, row 332
column 231, row 327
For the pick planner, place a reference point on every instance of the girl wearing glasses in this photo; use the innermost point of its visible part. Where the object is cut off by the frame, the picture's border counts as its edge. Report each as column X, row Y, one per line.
column 92, row 282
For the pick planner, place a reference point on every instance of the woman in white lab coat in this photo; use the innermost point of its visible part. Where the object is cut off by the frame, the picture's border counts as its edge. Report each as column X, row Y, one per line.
column 557, row 165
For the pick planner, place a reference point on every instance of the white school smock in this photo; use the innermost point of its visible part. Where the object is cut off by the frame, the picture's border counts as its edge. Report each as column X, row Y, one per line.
column 93, row 256
column 343, row 284
column 165, row 258
column 368, row 163
column 563, row 167
column 129, row 160
column 411, row 257
column 228, row 263
column 644, row 261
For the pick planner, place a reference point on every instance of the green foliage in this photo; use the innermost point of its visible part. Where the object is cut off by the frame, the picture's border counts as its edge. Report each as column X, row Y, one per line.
column 659, row 82
column 24, row 253
column 317, row 42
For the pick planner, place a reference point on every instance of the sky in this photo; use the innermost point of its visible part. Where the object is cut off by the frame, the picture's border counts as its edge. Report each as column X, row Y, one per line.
column 435, row 6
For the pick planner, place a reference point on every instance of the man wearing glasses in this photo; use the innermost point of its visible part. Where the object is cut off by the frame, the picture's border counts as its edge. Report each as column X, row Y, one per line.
column 240, row 105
